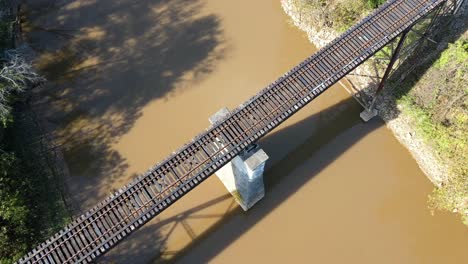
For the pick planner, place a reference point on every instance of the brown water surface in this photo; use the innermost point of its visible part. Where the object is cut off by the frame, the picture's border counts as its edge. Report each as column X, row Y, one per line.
column 133, row 80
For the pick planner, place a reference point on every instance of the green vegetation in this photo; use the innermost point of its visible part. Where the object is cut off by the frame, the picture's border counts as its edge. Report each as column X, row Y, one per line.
column 438, row 105
column 335, row 14
column 4, row 34
column 374, row 3
column 31, row 203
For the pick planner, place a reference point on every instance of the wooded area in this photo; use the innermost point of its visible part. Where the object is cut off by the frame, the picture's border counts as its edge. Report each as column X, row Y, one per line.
column 31, row 203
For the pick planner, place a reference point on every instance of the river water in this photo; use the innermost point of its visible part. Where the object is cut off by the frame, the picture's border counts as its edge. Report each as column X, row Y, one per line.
column 131, row 81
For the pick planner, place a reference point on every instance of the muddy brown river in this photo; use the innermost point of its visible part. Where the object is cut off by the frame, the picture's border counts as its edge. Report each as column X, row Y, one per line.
column 131, row 81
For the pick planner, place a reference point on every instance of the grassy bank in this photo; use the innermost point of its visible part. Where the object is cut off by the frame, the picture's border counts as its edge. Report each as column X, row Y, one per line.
column 432, row 98
column 436, row 102
column 338, row 15
column 31, row 203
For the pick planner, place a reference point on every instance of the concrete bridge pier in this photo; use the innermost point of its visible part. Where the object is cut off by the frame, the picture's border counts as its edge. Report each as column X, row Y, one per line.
column 243, row 175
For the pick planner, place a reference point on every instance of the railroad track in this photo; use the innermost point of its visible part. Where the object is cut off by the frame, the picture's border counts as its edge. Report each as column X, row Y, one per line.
column 108, row 223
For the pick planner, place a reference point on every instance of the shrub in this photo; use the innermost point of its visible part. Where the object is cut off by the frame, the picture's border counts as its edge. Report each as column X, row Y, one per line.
column 339, row 15
column 347, row 13
column 14, row 231
column 374, row 3
column 452, row 196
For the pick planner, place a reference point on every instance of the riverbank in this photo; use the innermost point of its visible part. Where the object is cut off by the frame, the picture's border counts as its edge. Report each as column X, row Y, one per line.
column 31, row 190
column 403, row 115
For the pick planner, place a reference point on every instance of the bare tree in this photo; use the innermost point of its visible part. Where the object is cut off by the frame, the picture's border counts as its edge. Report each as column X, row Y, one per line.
column 16, row 74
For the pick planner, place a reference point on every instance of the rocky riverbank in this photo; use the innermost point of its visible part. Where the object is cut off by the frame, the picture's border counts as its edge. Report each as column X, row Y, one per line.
column 397, row 122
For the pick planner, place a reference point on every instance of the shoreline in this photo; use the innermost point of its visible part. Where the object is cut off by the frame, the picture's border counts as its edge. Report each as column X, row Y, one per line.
column 395, row 119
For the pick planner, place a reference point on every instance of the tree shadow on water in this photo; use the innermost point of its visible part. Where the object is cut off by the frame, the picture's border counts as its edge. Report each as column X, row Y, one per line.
column 106, row 60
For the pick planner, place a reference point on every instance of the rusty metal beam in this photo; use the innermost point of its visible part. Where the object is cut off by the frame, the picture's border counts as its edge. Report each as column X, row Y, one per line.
column 390, row 65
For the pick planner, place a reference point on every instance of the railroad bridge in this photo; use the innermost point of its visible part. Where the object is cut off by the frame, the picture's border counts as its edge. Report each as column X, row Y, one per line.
column 233, row 135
